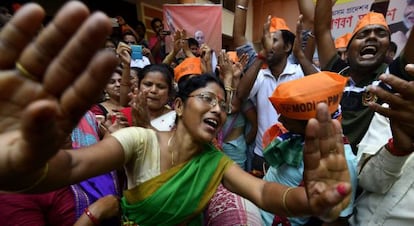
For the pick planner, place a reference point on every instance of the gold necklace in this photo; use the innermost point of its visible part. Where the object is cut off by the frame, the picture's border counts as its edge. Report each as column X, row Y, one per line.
column 169, row 149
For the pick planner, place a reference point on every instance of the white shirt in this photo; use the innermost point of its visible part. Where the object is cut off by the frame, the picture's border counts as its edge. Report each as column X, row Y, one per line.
column 262, row 89
column 164, row 122
column 388, row 197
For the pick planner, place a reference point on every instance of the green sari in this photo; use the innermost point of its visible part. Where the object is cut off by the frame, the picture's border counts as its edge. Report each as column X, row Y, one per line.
column 178, row 195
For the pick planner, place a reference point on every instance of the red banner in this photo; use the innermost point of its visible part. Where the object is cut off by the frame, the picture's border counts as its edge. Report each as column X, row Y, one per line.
column 202, row 22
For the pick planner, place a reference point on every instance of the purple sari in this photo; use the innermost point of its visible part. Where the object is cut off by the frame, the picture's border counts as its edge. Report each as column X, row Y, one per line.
column 88, row 191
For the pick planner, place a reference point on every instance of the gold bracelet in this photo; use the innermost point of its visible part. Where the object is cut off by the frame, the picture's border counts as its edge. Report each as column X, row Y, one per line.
column 229, row 88
column 38, row 181
column 285, row 193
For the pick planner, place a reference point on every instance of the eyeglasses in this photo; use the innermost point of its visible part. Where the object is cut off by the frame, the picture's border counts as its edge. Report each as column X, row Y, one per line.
column 212, row 99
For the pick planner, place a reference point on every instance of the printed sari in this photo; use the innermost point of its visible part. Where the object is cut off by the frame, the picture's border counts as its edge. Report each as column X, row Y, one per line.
column 90, row 190
column 178, row 195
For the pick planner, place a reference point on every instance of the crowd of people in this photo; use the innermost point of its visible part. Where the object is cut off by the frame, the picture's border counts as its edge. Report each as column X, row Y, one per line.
column 93, row 134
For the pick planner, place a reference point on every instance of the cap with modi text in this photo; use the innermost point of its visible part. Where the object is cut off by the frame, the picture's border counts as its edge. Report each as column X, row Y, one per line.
column 189, row 66
column 297, row 99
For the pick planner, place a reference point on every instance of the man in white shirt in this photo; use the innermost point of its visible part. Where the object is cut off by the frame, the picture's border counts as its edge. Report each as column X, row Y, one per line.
column 258, row 84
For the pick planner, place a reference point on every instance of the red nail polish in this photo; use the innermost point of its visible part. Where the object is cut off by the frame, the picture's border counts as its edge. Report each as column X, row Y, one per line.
column 341, row 189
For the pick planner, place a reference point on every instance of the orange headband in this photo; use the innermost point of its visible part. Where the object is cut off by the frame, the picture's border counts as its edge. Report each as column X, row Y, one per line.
column 342, row 42
column 189, row 66
column 371, row 18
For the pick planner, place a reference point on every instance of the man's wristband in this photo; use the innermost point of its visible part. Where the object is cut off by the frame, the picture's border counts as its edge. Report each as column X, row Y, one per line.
column 261, row 57
column 390, row 147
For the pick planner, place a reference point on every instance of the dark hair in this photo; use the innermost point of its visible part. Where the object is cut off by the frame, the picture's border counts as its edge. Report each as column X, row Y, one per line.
column 187, row 86
column 141, row 24
column 393, row 47
column 118, row 70
column 288, row 38
column 111, row 39
column 193, row 42
column 4, row 11
column 165, row 70
column 153, row 21
column 128, row 32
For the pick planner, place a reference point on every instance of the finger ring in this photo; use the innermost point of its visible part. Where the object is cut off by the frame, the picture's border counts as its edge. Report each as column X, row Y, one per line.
column 332, row 151
column 23, row 71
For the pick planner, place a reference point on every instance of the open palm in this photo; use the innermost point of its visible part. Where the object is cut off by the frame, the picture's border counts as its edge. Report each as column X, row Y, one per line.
column 326, row 173
column 61, row 77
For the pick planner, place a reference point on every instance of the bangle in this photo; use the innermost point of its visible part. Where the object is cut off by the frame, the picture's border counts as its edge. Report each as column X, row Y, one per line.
column 242, row 7
column 391, row 149
column 38, row 181
column 229, row 88
column 285, row 193
column 307, row 33
column 311, row 35
column 91, row 217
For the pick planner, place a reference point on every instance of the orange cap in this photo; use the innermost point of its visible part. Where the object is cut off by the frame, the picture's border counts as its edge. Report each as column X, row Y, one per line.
column 189, row 66
column 277, row 23
column 342, row 42
column 233, row 56
column 297, row 99
column 371, row 18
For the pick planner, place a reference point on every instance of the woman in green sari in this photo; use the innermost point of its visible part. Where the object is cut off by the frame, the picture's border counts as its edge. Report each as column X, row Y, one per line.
column 171, row 175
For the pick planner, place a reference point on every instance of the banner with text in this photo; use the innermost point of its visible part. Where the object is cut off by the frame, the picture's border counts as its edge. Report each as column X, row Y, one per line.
column 346, row 13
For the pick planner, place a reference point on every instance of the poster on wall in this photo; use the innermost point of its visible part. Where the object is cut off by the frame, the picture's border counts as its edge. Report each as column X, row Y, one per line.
column 399, row 16
column 202, row 22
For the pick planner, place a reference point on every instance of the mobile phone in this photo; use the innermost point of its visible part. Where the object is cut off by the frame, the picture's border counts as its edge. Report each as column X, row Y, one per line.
column 165, row 32
column 136, row 52
column 114, row 22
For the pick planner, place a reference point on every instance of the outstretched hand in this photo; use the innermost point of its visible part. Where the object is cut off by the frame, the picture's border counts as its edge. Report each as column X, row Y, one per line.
column 48, row 80
column 267, row 41
column 140, row 112
column 400, row 110
column 326, row 173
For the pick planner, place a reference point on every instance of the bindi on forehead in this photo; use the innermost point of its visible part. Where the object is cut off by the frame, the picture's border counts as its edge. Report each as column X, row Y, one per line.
column 220, row 97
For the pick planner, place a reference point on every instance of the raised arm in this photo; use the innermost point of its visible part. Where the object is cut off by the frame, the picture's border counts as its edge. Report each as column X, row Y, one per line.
column 307, row 9
column 47, row 83
column 178, row 45
column 304, row 61
column 124, row 53
column 247, row 81
column 323, row 36
column 239, row 25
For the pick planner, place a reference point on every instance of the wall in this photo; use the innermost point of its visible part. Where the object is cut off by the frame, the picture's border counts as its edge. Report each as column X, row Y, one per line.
column 228, row 18
column 286, row 9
